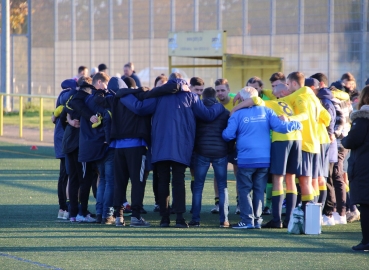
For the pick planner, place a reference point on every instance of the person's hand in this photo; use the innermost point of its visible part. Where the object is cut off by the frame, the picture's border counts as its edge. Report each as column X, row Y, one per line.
column 185, row 88
column 74, row 123
column 283, row 118
column 237, row 98
column 332, row 137
column 53, row 118
column 94, row 119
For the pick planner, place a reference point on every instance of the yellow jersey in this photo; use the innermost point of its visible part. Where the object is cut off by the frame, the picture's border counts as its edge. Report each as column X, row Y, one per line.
column 310, row 112
column 229, row 106
column 280, row 108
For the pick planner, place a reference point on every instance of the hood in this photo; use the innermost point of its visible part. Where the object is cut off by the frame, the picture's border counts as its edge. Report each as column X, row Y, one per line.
column 178, row 81
column 362, row 113
column 208, row 102
column 325, row 93
column 116, row 83
column 69, row 84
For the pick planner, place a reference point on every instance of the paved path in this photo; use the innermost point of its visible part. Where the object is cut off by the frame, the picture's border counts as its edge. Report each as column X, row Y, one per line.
column 31, row 136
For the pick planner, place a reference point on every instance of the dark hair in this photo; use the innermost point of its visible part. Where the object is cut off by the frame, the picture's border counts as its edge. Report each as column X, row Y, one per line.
column 320, row 77
column 348, row 76
column 298, row 77
column 102, row 67
column 100, row 76
column 83, row 80
column 196, row 81
column 277, row 76
column 131, row 83
column 255, row 80
column 209, row 92
column 222, row 82
column 81, row 68
column 175, row 75
column 364, row 97
column 162, row 78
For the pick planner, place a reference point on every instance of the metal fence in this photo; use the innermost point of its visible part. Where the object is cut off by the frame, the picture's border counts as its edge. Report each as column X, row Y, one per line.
column 329, row 36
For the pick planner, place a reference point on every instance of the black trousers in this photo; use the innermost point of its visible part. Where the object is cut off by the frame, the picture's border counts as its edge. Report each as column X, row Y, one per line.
column 62, row 185
column 79, row 184
column 338, row 181
column 129, row 163
column 364, row 220
column 178, row 186
column 155, row 182
column 330, row 202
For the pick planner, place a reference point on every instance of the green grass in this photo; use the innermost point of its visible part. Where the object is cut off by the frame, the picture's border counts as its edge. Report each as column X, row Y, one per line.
column 31, row 119
column 29, row 230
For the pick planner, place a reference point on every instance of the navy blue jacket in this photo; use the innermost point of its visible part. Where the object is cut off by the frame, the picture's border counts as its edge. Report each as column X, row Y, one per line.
column 59, row 125
column 325, row 96
column 173, row 123
column 208, row 141
column 91, row 140
column 71, row 134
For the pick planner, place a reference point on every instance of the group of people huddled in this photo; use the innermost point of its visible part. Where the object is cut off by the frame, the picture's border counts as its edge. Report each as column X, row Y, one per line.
column 109, row 130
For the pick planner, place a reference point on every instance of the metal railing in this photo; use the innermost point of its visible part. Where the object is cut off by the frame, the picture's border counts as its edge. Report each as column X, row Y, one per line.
column 21, row 106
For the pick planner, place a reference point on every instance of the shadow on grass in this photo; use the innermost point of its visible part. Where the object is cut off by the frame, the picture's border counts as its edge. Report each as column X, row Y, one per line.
column 215, row 249
column 30, row 187
column 17, row 151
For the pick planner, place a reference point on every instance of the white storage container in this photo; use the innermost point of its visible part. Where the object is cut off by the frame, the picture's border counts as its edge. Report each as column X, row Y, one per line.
column 313, row 214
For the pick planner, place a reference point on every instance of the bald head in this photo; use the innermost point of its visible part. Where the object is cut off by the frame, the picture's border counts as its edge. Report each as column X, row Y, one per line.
column 281, row 90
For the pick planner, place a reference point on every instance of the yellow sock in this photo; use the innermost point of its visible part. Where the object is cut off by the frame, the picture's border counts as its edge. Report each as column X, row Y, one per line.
column 292, row 192
column 306, row 198
column 277, row 192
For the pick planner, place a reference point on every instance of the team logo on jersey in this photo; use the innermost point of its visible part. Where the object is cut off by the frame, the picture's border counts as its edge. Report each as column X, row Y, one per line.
column 246, row 120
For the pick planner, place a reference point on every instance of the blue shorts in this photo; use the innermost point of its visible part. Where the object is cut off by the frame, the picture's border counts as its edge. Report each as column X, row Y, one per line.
column 232, row 157
column 310, row 164
column 324, row 160
column 285, row 157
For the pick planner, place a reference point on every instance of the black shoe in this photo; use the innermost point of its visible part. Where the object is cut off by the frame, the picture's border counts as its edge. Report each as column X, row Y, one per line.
column 143, row 211
column 285, row 224
column 272, row 225
column 164, row 222
column 194, row 223
column 361, row 247
column 98, row 218
column 181, row 223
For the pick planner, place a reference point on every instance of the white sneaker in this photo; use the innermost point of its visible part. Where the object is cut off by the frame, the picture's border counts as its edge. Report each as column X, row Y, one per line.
column 328, row 221
column 60, row 214
column 215, row 210
column 339, row 219
column 66, row 215
column 355, row 215
column 87, row 219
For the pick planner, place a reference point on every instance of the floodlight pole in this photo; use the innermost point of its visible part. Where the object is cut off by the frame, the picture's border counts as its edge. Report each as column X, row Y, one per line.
column 5, row 51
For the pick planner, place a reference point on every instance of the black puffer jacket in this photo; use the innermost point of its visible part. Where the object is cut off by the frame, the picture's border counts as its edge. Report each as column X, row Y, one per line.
column 358, row 141
column 208, row 141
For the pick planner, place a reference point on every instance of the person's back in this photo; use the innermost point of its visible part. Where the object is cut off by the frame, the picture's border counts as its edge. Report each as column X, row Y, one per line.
column 174, row 127
column 208, row 140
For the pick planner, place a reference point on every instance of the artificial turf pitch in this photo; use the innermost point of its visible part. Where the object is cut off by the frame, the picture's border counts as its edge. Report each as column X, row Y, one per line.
column 32, row 238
